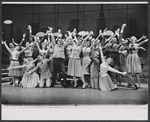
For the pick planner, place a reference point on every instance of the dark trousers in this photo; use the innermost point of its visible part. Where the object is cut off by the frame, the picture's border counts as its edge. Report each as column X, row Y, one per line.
column 59, row 63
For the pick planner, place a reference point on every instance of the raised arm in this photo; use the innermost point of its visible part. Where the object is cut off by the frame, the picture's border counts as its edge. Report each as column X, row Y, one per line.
column 121, row 32
column 143, row 37
column 17, row 44
column 30, row 33
column 6, row 46
column 37, row 44
column 141, row 43
column 102, row 55
column 24, row 49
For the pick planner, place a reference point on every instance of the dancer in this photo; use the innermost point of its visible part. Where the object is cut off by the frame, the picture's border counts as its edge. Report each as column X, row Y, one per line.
column 58, row 60
column 86, row 61
column 15, row 73
column 95, row 66
column 133, row 60
column 74, row 64
column 29, row 79
column 45, row 73
column 105, row 82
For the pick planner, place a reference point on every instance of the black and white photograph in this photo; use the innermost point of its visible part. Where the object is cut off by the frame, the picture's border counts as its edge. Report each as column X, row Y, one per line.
column 74, row 54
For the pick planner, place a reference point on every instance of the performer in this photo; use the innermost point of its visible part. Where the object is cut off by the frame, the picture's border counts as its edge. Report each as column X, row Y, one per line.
column 29, row 80
column 133, row 60
column 74, row 64
column 58, row 60
column 45, row 73
column 95, row 66
column 105, row 82
column 15, row 73
column 86, row 61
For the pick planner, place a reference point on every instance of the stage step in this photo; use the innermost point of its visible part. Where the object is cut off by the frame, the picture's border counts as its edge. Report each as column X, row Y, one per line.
column 4, row 79
column 4, row 74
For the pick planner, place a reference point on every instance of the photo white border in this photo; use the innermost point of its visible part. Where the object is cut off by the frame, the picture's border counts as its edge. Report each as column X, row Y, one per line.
column 98, row 112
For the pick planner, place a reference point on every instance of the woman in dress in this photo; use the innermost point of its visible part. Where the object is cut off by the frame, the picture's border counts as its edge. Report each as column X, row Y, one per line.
column 105, row 82
column 15, row 53
column 74, row 64
column 29, row 80
column 133, row 60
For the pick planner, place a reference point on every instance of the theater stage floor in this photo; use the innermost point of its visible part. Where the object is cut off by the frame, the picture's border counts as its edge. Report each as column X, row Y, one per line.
column 73, row 96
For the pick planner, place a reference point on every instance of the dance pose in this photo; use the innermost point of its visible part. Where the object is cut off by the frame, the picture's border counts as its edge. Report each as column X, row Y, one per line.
column 105, row 82
column 95, row 66
column 133, row 60
column 74, row 64
column 29, row 79
column 15, row 73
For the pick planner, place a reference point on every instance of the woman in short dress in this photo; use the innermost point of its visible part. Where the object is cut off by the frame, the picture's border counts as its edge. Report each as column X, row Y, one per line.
column 105, row 82
column 133, row 60
column 15, row 73
column 74, row 64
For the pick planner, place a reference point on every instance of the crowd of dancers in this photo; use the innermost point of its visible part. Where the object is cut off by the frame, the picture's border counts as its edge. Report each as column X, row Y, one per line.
column 98, row 63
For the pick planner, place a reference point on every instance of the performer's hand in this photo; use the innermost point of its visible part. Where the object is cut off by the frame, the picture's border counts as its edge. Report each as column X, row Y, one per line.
column 3, row 42
column 144, row 37
column 123, row 25
column 24, row 35
column 91, row 32
column 124, row 73
column 146, row 40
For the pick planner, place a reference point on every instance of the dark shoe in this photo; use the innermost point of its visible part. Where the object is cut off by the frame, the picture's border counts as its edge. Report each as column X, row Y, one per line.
column 11, row 83
column 52, row 85
column 135, row 87
column 63, row 84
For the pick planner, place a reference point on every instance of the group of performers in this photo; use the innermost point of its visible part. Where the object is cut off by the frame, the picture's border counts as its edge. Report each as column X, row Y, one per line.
column 99, row 63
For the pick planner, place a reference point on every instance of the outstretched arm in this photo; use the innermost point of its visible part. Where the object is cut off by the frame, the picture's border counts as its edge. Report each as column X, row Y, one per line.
column 102, row 55
column 37, row 44
column 116, row 71
column 30, row 33
column 24, row 49
column 143, row 37
column 121, row 32
column 141, row 43
column 6, row 46
column 18, row 44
